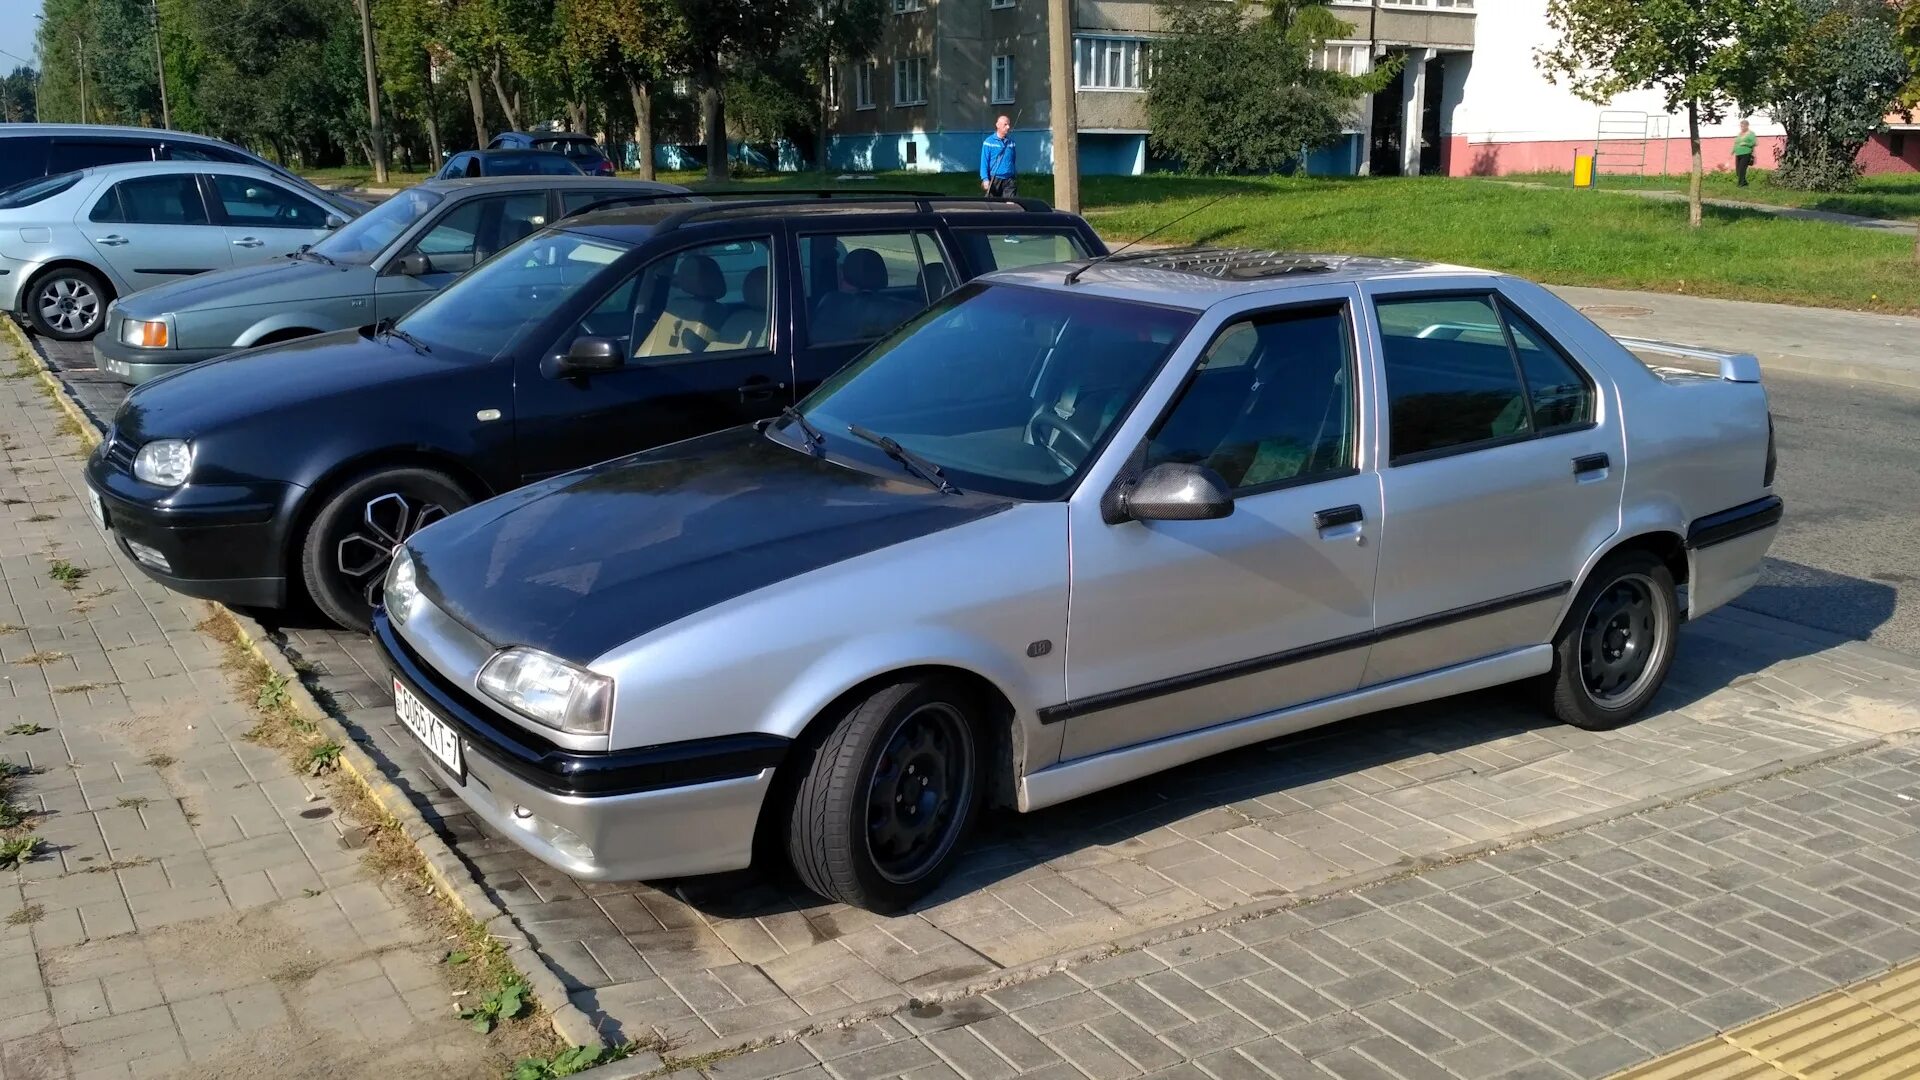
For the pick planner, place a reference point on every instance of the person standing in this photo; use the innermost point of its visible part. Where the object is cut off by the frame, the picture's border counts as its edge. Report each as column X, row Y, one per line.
column 1743, row 152
column 997, row 161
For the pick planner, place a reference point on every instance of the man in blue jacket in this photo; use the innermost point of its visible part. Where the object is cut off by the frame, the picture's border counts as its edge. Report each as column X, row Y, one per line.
column 997, row 161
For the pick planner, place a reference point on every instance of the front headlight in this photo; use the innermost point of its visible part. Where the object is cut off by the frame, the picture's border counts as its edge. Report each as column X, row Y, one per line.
column 549, row 691
column 165, row 462
column 146, row 334
column 401, row 589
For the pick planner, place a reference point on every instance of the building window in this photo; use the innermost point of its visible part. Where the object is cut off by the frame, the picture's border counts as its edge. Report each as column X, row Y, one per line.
column 901, row 7
column 833, row 87
column 1107, row 63
column 1897, row 143
column 1344, row 57
column 1002, row 86
column 1001, row 4
column 910, row 81
column 1461, row 5
column 863, row 85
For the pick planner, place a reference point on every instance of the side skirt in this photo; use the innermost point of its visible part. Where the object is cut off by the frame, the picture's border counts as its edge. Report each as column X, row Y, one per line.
column 1072, row 779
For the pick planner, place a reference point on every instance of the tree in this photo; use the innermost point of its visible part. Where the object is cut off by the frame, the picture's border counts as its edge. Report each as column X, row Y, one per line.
column 641, row 41
column 18, row 99
column 1705, row 55
column 838, row 31
column 721, row 33
column 1837, row 79
column 1229, row 96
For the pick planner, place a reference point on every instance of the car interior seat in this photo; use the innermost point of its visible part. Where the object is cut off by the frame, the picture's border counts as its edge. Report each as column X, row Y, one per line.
column 864, row 311
column 688, row 319
column 745, row 326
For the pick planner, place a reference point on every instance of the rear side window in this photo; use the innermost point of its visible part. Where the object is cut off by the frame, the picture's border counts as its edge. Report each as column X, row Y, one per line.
column 68, row 156
column 858, row 286
column 571, row 147
column 22, row 159
column 992, row 249
column 153, row 200
column 1454, row 377
column 34, row 191
column 196, row 152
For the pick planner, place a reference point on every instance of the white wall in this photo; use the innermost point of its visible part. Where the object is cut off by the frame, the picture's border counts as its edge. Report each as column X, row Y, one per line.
column 1507, row 99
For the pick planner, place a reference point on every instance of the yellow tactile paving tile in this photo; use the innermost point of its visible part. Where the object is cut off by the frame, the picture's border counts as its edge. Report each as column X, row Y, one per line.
column 1868, row 1031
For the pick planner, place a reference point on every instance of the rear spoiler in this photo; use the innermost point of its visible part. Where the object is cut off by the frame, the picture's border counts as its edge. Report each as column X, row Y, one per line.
column 1734, row 367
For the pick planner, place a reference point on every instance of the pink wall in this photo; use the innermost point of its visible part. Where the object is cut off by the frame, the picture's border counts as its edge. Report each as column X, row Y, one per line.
column 1878, row 157
column 1465, row 157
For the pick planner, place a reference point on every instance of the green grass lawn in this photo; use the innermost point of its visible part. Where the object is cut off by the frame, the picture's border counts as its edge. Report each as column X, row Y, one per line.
column 1559, row 236
column 1889, row 195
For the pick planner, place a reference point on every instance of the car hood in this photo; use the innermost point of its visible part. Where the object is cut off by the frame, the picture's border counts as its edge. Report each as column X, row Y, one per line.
column 580, row 564
column 259, row 382
column 288, row 281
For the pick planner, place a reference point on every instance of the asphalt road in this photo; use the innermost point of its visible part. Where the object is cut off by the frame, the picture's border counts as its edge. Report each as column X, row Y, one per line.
column 1848, row 556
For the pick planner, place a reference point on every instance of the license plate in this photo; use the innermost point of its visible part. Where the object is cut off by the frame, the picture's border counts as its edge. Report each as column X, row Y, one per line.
column 97, row 509
column 439, row 737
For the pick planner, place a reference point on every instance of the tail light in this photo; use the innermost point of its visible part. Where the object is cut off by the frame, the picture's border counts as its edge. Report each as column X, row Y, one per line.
column 1772, row 460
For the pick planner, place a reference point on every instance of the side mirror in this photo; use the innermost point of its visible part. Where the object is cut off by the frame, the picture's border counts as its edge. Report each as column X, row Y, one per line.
column 1175, row 491
column 334, row 221
column 413, row 264
column 586, row 356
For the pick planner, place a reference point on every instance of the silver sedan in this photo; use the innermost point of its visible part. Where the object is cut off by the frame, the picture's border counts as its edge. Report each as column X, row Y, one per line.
column 70, row 244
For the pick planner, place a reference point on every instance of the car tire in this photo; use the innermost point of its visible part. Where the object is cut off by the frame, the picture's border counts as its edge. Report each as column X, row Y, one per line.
column 67, row 303
column 350, row 541
column 916, row 740
column 1614, row 649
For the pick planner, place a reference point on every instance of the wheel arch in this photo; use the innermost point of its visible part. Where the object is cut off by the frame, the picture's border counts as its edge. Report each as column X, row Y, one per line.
column 68, row 263
column 1662, row 541
column 271, row 334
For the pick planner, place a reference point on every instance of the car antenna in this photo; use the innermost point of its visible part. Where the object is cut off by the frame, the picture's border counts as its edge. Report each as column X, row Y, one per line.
column 1074, row 274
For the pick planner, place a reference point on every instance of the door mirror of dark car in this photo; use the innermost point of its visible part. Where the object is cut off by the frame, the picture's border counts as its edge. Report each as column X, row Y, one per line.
column 334, row 221
column 1176, row 491
column 586, row 356
column 413, row 264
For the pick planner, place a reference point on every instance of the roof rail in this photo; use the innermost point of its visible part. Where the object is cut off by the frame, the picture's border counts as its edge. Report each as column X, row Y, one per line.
column 921, row 200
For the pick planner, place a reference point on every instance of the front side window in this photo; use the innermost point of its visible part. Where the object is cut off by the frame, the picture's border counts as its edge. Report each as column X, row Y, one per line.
column 252, row 203
column 1454, row 377
column 479, row 227
column 858, row 286
column 1271, row 403
column 69, row 156
column 482, row 312
column 998, row 249
column 153, row 200
column 1010, row 390
column 702, row 302
column 910, row 81
column 366, row 236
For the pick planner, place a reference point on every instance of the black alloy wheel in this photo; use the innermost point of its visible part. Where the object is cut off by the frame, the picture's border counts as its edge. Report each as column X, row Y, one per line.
column 346, row 552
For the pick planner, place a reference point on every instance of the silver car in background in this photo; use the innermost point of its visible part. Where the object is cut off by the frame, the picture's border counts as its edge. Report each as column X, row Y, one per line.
column 72, row 242
column 1074, row 525
column 378, row 267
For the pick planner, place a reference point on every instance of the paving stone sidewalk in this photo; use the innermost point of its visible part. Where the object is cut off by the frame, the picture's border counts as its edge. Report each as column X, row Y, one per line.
column 1576, row 957
column 198, row 910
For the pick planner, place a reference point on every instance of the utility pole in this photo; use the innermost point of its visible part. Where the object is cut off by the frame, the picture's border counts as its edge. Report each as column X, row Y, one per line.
column 1066, row 122
column 160, row 65
column 373, row 93
column 80, row 46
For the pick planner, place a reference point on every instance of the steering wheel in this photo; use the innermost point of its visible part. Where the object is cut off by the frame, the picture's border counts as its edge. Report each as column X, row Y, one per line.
column 1047, row 419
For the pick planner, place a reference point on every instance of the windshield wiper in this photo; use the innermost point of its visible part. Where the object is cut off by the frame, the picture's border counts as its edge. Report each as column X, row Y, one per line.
column 915, row 464
column 385, row 329
column 306, row 252
column 815, row 438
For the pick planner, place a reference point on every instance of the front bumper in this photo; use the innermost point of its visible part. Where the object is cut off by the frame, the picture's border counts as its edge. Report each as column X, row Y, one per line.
column 135, row 365
column 223, row 543
column 653, row 812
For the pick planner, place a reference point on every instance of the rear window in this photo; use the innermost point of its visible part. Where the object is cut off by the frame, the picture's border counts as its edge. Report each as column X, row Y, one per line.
column 34, row 191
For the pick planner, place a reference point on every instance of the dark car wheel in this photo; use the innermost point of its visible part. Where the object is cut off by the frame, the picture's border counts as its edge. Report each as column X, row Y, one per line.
column 67, row 304
column 1613, row 652
column 888, row 795
column 345, row 553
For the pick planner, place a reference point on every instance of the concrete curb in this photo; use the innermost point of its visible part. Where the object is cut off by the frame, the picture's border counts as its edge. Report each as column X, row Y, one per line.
column 1220, row 920
column 449, row 875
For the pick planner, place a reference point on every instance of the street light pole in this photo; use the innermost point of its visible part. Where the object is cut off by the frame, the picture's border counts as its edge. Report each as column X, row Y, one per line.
column 373, row 93
column 1066, row 123
column 160, row 65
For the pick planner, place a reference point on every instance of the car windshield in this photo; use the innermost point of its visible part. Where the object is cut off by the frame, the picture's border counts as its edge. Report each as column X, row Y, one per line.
column 485, row 308
column 1010, row 390
column 32, row 191
column 366, row 236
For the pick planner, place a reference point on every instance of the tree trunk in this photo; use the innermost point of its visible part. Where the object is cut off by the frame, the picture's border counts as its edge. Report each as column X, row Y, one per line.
column 715, row 115
column 826, row 111
column 577, row 116
column 642, row 124
column 506, row 103
column 477, row 99
column 1693, row 176
column 430, row 115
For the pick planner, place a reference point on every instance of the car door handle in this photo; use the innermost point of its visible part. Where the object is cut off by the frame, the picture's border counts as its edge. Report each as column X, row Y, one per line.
column 248, row 241
column 112, row 240
column 760, row 389
column 1589, row 463
column 1338, row 516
